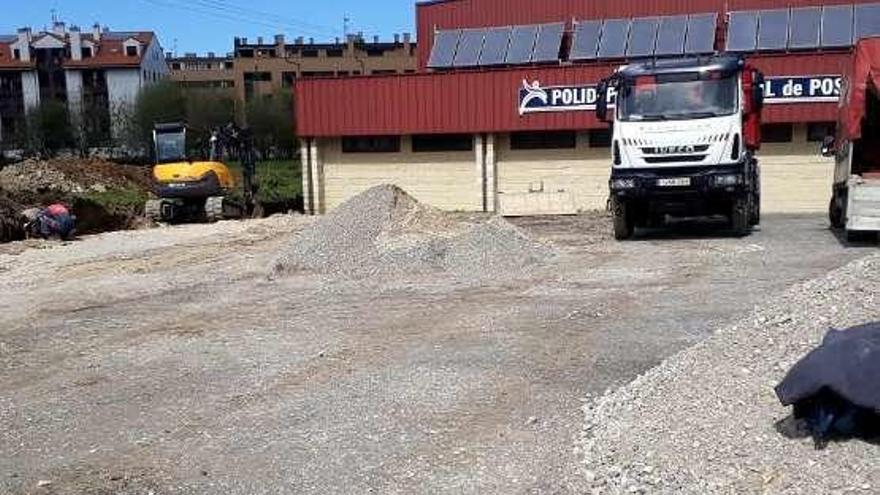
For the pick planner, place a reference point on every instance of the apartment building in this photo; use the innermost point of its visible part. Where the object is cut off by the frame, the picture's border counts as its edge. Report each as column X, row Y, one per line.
column 262, row 68
column 100, row 70
column 211, row 72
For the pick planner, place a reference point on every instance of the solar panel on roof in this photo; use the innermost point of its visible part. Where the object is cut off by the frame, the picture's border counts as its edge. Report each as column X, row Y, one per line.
column 469, row 47
column 522, row 44
column 867, row 20
column 837, row 26
column 642, row 37
column 670, row 35
column 742, row 32
column 773, row 29
column 804, row 27
column 614, row 35
column 443, row 51
column 495, row 46
column 701, row 33
column 549, row 43
column 586, row 40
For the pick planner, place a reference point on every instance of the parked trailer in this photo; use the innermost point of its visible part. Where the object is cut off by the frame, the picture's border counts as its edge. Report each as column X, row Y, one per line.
column 855, row 201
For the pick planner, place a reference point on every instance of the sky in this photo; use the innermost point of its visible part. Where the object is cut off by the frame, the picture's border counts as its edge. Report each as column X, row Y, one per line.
column 210, row 25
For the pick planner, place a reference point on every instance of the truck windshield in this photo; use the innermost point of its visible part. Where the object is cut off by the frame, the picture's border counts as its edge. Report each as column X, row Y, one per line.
column 677, row 97
column 170, row 147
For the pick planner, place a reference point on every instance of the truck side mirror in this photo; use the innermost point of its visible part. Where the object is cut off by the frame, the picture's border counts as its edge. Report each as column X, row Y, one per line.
column 758, row 92
column 602, row 101
column 828, row 145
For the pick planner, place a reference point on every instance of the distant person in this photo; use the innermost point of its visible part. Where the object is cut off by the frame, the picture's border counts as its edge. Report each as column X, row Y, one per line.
column 54, row 221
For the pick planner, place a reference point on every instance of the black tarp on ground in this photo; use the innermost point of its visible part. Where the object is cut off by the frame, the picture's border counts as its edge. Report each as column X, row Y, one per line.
column 836, row 387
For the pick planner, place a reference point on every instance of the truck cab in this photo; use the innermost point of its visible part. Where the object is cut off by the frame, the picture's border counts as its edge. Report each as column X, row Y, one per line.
column 855, row 201
column 684, row 136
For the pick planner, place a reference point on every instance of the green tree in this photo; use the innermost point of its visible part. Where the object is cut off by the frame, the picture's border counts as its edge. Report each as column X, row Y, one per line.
column 48, row 129
column 206, row 110
column 270, row 118
column 158, row 103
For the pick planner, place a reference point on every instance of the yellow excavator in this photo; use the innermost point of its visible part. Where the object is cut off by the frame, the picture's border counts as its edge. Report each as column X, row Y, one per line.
column 189, row 190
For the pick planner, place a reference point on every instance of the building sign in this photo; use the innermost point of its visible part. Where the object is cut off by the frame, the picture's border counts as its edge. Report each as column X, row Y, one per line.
column 534, row 98
column 802, row 89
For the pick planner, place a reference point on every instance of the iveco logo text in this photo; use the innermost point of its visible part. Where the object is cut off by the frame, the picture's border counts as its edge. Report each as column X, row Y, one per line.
column 672, row 150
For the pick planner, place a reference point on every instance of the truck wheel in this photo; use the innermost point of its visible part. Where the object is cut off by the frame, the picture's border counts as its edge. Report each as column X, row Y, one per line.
column 624, row 226
column 740, row 217
column 835, row 213
column 755, row 212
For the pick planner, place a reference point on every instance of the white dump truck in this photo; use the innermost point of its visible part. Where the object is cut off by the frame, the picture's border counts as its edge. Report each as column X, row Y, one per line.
column 855, row 201
column 685, row 132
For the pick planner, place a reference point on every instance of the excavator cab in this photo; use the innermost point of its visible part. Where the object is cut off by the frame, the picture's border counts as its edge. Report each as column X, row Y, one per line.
column 188, row 189
column 169, row 142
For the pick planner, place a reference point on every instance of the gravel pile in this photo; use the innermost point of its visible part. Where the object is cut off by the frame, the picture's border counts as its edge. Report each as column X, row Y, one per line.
column 707, row 420
column 385, row 230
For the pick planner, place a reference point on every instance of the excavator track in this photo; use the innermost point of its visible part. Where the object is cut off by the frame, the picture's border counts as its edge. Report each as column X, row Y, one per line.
column 214, row 209
column 153, row 210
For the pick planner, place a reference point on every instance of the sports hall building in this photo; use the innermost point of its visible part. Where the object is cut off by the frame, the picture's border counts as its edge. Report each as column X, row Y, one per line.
column 500, row 113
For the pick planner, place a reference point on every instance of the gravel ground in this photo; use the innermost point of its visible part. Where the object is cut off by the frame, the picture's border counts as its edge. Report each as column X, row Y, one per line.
column 708, row 421
column 164, row 360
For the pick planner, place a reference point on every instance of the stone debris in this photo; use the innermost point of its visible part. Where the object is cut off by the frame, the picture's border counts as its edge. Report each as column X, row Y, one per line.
column 72, row 176
column 707, row 420
column 384, row 230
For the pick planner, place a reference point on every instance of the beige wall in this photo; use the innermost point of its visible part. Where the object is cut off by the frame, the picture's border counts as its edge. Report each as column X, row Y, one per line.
column 795, row 178
column 450, row 181
column 571, row 180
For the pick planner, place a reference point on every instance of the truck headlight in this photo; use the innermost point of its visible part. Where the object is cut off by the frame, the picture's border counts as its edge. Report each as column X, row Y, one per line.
column 618, row 184
column 728, row 180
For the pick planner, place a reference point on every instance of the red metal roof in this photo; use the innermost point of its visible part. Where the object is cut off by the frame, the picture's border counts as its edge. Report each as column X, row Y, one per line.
column 451, row 14
column 487, row 101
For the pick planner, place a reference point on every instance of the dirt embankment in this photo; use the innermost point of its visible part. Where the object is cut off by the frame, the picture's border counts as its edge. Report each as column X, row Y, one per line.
column 103, row 195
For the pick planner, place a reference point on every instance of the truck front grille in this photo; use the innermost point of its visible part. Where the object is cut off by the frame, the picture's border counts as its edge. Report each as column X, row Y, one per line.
column 675, row 159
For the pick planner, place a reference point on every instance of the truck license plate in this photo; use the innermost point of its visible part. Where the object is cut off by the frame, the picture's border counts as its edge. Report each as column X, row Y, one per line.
column 674, row 182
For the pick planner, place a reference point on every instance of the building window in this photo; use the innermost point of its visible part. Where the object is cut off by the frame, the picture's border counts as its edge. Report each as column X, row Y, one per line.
column 777, row 133
column 600, row 138
column 175, row 66
column 131, row 51
column 384, row 72
column 545, row 140
column 318, row 73
column 375, row 52
column 246, row 53
column 228, row 65
column 818, row 131
column 371, row 144
column 287, row 79
column 310, row 53
column 16, row 54
column 86, row 52
column 442, row 142
column 258, row 76
column 334, row 53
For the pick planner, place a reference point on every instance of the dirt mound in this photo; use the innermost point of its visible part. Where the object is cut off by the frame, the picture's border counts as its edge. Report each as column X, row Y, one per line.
column 74, row 176
column 10, row 224
column 385, row 230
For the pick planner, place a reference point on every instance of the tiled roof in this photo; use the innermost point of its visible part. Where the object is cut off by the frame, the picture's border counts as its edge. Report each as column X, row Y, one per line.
column 110, row 50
